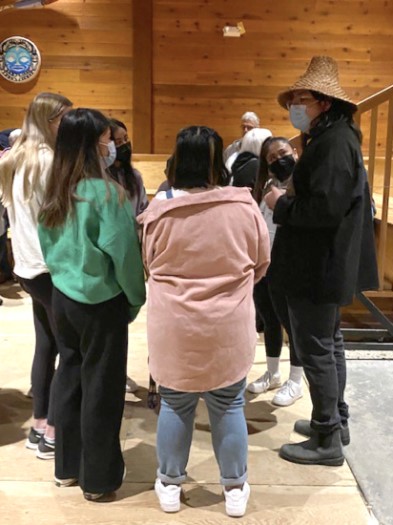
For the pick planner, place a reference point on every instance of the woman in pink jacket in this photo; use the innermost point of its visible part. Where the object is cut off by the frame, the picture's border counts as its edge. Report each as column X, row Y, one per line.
column 204, row 248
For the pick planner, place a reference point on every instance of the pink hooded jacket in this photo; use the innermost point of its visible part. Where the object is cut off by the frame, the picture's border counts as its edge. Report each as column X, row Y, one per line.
column 203, row 253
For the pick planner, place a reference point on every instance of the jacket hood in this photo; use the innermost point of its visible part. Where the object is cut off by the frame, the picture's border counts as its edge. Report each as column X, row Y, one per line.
column 242, row 160
column 157, row 208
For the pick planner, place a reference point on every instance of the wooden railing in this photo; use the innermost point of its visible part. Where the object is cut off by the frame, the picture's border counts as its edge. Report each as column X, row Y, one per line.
column 377, row 159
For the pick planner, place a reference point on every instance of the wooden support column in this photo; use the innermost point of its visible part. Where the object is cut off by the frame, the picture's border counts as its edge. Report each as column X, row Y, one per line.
column 142, row 122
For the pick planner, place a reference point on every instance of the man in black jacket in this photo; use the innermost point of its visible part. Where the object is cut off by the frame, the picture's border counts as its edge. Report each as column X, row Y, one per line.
column 323, row 252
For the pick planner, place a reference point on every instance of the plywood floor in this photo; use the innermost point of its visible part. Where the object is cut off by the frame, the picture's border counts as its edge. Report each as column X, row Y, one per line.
column 282, row 493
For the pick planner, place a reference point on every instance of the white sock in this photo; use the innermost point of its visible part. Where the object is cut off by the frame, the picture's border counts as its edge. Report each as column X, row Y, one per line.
column 295, row 374
column 273, row 364
column 51, row 441
column 40, row 430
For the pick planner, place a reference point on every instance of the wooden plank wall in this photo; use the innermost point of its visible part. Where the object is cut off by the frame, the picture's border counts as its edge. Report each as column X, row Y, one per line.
column 86, row 48
column 202, row 78
column 199, row 76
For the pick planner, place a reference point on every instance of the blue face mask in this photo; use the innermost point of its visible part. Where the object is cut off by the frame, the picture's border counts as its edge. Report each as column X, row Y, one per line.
column 299, row 118
column 111, row 157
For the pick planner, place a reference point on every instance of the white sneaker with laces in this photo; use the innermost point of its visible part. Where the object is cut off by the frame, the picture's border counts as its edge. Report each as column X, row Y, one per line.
column 168, row 496
column 288, row 394
column 264, row 383
column 131, row 386
column 236, row 500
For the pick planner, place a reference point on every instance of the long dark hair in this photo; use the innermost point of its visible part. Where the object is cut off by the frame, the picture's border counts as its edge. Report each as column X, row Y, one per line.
column 197, row 159
column 76, row 158
column 263, row 172
column 130, row 181
column 338, row 111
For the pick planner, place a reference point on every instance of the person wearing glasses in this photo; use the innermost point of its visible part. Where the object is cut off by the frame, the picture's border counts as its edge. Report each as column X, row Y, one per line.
column 323, row 252
column 249, row 121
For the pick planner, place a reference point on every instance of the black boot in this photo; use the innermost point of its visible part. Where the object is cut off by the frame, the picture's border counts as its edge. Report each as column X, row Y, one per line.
column 320, row 449
column 302, row 426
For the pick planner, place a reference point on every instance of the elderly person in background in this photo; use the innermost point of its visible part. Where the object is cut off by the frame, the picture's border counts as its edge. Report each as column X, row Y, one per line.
column 249, row 121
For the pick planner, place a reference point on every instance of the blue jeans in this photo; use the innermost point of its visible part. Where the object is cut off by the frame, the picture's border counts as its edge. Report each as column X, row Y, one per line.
column 228, row 428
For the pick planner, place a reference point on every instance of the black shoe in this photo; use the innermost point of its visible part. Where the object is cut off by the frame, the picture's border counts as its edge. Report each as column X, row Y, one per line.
column 33, row 439
column 302, row 426
column 45, row 450
column 320, row 449
column 1, row 301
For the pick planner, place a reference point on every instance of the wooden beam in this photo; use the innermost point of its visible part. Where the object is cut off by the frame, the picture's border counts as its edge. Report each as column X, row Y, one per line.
column 142, row 122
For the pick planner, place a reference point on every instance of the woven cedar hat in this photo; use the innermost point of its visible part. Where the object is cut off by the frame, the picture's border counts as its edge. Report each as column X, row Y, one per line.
column 321, row 76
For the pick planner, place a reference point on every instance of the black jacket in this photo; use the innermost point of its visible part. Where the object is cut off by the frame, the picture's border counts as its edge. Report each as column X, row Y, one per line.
column 324, row 248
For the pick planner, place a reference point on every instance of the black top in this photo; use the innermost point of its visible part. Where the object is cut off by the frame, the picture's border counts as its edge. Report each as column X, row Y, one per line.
column 324, row 247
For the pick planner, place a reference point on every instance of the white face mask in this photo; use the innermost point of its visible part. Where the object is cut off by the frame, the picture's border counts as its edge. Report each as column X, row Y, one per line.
column 111, row 157
column 299, row 118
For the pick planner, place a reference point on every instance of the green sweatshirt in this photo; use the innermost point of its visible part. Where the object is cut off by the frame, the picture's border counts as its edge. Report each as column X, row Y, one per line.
column 96, row 255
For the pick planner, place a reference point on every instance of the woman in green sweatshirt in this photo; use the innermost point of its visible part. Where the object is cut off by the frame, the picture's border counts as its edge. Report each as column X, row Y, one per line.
column 90, row 245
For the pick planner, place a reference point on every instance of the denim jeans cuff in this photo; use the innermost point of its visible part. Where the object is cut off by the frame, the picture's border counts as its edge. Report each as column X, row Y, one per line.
column 172, row 481
column 231, row 482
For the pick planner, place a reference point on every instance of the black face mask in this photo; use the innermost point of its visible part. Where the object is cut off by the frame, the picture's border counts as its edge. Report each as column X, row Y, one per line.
column 123, row 153
column 282, row 168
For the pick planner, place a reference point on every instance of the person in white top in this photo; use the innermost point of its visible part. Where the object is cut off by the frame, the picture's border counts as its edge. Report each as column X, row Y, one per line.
column 277, row 161
column 23, row 175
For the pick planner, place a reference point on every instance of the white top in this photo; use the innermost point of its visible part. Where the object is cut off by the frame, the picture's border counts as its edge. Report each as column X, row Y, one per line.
column 268, row 216
column 23, row 217
column 161, row 195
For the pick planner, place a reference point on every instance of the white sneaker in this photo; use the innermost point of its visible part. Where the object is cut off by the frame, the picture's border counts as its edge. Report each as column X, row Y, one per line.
column 131, row 386
column 264, row 383
column 168, row 496
column 236, row 500
column 288, row 394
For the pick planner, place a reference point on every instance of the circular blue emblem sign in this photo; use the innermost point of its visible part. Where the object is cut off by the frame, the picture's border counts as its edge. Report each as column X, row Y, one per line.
column 20, row 59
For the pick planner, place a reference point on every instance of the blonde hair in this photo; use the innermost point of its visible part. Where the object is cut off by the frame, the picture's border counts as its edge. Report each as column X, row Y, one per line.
column 35, row 134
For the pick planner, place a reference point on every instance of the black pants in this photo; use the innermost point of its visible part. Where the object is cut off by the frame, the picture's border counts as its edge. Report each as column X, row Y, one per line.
column 273, row 309
column 318, row 341
column 90, row 387
column 5, row 268
column 43, row 370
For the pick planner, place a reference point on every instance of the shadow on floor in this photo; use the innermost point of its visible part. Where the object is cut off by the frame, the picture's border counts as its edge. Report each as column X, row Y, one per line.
column 15, row 410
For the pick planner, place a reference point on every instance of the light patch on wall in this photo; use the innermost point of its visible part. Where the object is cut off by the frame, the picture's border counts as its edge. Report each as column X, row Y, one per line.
column 234, row 31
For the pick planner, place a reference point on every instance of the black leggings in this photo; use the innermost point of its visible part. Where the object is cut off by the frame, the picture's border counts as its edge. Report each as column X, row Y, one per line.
column 272, row 326
column 43, row 369
column 273, row 309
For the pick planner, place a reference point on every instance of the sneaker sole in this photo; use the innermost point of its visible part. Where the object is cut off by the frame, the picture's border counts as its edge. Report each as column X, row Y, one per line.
column 235, row 513
column 31, row 446
column 45, row 455
column 286, row 404
column 170, row 508
column 61, row 483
